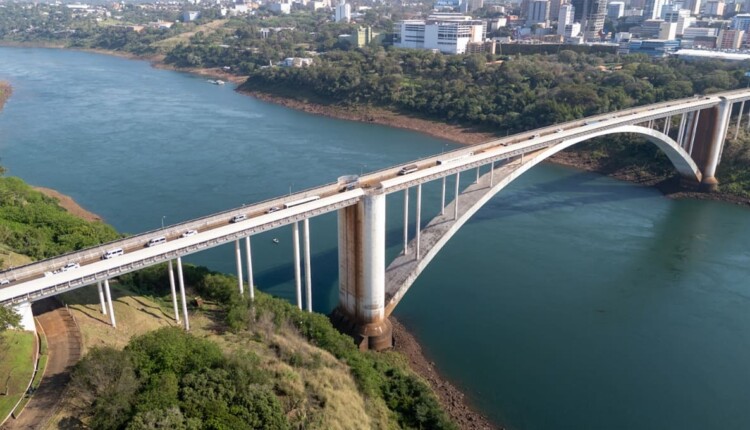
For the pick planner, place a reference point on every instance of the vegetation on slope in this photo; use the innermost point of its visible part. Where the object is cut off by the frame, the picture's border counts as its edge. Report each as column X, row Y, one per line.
column 387, row 393
column 35, row 225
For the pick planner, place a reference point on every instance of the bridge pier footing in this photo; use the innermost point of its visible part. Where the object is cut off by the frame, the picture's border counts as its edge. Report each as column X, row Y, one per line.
column 709, row 184
column 373, row 336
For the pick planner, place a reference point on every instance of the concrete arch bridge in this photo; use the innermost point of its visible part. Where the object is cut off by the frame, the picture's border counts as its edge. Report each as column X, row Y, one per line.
column 691, row 132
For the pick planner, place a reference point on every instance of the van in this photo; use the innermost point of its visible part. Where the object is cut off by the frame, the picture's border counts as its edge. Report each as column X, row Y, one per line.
column 157, row 241
column 238, row 218
column 4, row 282
column 112, row 253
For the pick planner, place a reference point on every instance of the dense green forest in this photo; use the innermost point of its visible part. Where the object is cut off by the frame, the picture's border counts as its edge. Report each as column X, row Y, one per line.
column 35, row 225
column 513, row 94
column 171, row 379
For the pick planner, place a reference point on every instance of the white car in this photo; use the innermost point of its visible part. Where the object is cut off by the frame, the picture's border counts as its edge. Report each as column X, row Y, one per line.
column 70, row 266
column 189, row 233
column 4, row 282
column 238, row 218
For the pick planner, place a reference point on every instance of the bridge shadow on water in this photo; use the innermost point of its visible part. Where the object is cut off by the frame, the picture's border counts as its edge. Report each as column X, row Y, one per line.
column 555, row 194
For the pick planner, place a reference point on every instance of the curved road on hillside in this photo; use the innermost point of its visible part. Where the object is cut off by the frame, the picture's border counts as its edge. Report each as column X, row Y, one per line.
column 64, row 347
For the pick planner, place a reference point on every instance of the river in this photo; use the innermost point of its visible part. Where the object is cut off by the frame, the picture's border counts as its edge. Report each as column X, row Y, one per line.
column 570, row 301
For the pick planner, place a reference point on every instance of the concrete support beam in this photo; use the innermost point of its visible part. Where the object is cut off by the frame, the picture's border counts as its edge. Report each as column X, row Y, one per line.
column 419, row 216
column 476, row 180
column 250, row 283
column 716, row 144
column 361, row 310
column 442, row 200
column 297, row 271
column 181, row 280
column 696, row 118
column 109, row 303
column 406, row 221
column 458, row 184
column 174, row 293
column 101, row 298
column 238, row 258
column 492, row 174
column 27, row 316
column 681, row 130
column 739, row 120
column 308, row 273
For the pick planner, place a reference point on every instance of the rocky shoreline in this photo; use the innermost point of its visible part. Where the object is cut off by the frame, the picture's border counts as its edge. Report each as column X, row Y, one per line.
column 5, row 91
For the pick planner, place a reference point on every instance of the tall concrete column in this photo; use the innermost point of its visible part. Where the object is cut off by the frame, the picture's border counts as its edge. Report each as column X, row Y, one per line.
column 250, row 283
column 174, row 293
column 442, row 200
column 181, row 280
column 109, row 303
column 308, row 273
column 458, row 184
column 419, row 219
column 238, row 256
column 406, row 221
column 739, row 120
column 297, row 272
column 681, row 130
column 101, row 298
column 492, row 174
column 361, row 310
column 721, row 123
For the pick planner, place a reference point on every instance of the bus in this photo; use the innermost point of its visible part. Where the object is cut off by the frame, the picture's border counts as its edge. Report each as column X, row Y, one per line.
column 301, row 201
column 411, row 168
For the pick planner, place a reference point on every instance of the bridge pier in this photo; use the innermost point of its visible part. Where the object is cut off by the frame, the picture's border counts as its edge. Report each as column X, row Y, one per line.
column 308, row 269
column 101, row 298
column 181, row 280
column 174, row 293
column 710, row 130
column 27, row 317
column 238, row 256
column 109, row 302
column 361, row 309
column 250, row 283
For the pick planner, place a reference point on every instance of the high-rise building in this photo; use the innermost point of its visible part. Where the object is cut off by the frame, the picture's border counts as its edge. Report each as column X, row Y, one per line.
column 554, row 8
column 538, row 12
column 652, row 9
column 615, row 9
column 741, row 22
column 694, row 6
column 730, row 39
column 591, row 14
column 714, row 8
column 469, row 6
column 565, row 17
column 343, row 12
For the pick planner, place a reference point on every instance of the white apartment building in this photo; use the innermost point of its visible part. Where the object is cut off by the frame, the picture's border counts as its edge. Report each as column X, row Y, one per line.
column 343, row 12
column 448, row 33
column 567, row 12
column 615, row 9
column 538, row 12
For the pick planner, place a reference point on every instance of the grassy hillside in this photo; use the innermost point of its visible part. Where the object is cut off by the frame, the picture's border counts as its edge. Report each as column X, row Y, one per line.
column 318, row 379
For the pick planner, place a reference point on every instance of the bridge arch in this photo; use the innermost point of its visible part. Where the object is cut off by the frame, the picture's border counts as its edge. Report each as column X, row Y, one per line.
column 396, row 288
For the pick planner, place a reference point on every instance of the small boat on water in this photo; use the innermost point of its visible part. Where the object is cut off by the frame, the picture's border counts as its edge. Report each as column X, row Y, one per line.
column 275, row 240
column 215, row 82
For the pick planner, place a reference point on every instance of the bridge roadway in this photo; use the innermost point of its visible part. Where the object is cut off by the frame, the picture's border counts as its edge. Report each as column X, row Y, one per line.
column 29, row 283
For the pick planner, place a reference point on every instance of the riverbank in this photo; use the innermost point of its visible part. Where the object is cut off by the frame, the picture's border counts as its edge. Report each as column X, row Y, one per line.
column 451, row 398
column 70, row 205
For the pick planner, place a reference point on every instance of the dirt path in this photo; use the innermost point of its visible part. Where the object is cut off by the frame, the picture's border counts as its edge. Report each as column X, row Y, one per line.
column 64, row 342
